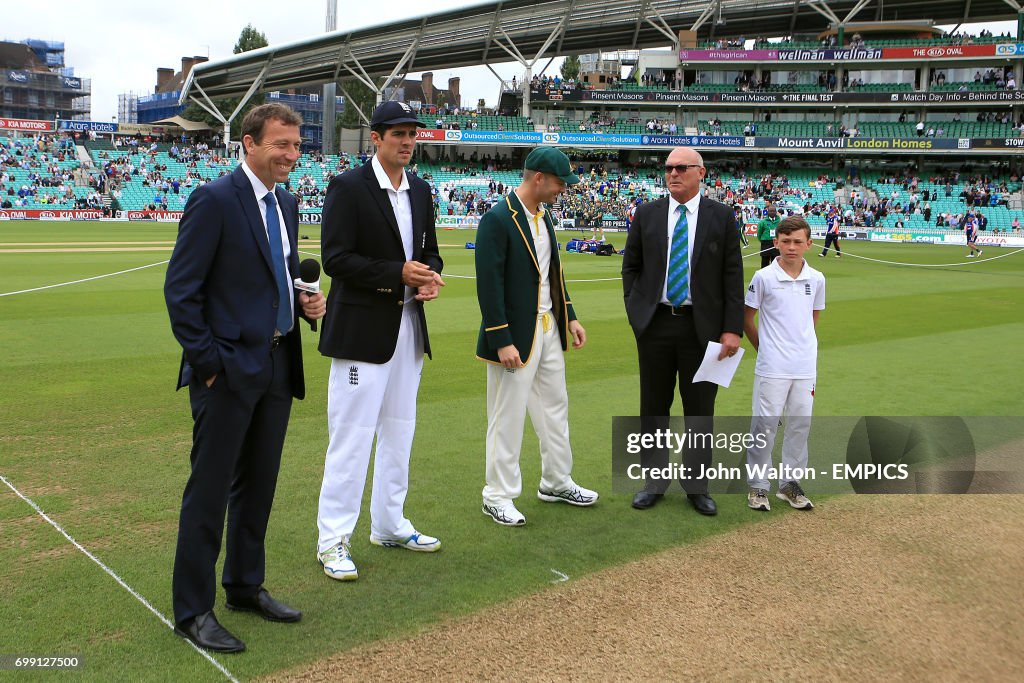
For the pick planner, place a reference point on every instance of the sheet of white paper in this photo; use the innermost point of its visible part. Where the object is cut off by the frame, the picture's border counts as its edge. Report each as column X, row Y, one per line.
column 718, row 371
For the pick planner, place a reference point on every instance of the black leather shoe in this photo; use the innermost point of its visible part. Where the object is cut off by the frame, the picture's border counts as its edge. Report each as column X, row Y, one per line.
column 208, row 634
column 645, row 499
column 704, row 504
column 266, row 606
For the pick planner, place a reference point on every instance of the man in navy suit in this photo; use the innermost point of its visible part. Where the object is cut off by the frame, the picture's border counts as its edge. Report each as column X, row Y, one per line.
column 682, row 279
column 380, row 249
column 235, row 313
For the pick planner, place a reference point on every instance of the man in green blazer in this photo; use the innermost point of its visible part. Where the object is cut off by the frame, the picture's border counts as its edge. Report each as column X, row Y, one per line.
column 528, row 321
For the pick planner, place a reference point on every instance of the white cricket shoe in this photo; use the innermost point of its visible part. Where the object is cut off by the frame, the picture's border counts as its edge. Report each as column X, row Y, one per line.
column 506, row 515
column 418, row 542
column 574, row 495
column 337, row 562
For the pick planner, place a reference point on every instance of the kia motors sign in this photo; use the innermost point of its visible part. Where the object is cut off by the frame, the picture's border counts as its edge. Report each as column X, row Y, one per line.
column 50, row 214
column 30, row 125
column 162, row 216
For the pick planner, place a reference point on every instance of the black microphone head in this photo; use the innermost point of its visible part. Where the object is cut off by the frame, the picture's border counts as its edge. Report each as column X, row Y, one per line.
column 309, row 270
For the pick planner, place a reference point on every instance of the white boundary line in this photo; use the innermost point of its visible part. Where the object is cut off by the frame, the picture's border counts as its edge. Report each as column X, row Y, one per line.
column 120, row 581
column 473, row 277
column 88, row 279
column 936, row 265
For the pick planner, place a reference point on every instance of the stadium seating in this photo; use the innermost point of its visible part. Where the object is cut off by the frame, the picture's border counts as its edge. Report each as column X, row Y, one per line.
column 480, row 122
column 310, row 178
column 952, row 129
column 882, row 87
column 21, row 177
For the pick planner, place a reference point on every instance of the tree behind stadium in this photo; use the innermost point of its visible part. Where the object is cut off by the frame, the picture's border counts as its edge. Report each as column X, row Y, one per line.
column 249, row 39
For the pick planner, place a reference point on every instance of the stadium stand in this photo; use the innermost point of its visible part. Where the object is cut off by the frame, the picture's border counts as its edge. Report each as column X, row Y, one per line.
column 477, row 122
column 940, row 128
column 44, row 172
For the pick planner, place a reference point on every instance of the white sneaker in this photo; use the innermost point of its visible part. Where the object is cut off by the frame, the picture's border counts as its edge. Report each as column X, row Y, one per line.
column 418, row 542
column 794, row 495
column 506, row 515
column 574, row 495
column 337, row 562
column 757, row 499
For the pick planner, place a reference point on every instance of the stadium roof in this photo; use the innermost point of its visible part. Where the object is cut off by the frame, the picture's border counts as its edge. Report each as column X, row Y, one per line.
column 532, row 30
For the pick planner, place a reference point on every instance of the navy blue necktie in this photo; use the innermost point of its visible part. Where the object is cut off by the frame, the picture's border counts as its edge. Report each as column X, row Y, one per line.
column 284, row 292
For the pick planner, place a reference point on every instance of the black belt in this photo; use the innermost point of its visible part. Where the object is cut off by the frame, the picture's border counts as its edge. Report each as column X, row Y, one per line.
column 276, row 341
column 679, row 310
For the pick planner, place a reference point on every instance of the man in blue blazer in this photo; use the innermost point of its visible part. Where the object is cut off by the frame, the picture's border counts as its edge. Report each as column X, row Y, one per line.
column 235, row 312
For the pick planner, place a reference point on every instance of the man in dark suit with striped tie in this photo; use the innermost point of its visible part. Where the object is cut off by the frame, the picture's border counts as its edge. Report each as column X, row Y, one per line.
column 682, row 279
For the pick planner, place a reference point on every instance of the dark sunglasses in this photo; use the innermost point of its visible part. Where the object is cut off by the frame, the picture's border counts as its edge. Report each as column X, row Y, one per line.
column 681, row 168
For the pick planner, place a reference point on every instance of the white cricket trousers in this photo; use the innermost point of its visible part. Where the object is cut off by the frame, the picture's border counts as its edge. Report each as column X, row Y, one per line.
column 773, row 399
column 363, row 400
column 538, row 387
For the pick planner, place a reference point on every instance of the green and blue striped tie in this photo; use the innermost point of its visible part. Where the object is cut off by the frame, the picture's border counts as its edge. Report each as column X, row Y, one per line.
column 679, row 261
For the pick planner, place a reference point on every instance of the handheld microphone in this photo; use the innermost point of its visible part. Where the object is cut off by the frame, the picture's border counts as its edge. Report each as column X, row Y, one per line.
column 309, row 279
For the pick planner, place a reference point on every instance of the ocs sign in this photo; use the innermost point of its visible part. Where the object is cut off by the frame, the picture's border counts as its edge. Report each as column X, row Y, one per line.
column 1008, row 49
column 551, row 137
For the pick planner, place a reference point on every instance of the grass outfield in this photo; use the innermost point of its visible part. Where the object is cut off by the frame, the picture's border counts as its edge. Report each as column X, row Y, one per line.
column 92, row 430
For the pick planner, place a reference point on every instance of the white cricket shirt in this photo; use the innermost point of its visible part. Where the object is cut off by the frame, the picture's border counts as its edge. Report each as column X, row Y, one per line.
column 788, row 345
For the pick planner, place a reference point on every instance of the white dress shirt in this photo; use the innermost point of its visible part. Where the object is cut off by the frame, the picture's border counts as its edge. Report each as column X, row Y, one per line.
column 542, row 243
column 402, row 206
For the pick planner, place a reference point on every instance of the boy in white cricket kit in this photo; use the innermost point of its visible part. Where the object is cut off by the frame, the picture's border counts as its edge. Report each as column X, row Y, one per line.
column 789, row 295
